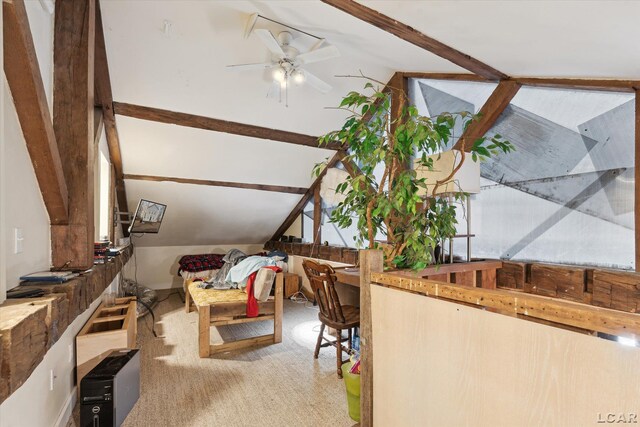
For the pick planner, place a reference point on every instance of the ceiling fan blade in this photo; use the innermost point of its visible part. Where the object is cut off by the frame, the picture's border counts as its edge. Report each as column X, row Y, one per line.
column 251, row 22
column 270, row 42
column 317, row 55
column 316, row 83
column 247, row 67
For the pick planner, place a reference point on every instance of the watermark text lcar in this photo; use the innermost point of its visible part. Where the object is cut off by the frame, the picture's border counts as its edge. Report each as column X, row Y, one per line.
column 618, row 418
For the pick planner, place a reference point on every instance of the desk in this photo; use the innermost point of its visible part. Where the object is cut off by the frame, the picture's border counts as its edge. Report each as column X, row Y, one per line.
column 349, row 276
column 476, row 273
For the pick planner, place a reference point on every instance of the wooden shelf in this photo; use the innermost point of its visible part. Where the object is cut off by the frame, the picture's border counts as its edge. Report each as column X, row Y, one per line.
column 30, row 326
column 105, row 332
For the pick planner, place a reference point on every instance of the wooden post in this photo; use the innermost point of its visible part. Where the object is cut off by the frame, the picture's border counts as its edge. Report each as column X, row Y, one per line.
column 277, row 316
column 204, row 326
column 371, row 261
column 73, row 103
column 317, row 215
column 637, row 180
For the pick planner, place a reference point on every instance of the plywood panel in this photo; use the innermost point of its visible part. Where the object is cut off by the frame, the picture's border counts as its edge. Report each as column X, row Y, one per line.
column 457, row 375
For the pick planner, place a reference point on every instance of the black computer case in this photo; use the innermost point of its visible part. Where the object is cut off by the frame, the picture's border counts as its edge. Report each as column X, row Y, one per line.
column 110, row 390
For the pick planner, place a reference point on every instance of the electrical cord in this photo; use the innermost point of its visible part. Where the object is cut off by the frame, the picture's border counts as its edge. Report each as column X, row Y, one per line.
column 135, row 277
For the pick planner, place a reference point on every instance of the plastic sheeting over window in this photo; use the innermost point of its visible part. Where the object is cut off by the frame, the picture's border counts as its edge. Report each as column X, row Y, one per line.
column 566, row 195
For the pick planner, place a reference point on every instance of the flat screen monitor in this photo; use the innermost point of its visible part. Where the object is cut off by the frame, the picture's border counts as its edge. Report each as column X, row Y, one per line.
column 148, row 217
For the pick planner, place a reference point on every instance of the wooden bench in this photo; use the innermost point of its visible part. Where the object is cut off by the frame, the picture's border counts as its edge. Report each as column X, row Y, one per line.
column 228, row 307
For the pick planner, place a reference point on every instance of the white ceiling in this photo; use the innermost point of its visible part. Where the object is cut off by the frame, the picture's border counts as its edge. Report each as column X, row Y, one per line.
column 534, row 38
column 184, row 70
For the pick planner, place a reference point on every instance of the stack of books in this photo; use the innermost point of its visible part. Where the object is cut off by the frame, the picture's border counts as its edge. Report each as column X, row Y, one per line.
column 49, row 276
column 100, row 252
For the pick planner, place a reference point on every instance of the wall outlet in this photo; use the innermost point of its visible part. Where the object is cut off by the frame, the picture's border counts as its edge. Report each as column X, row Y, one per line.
column 18, row 240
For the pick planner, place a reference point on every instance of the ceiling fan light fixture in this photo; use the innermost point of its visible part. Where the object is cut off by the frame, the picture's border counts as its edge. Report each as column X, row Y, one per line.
column 279, row 74
column 299, row 77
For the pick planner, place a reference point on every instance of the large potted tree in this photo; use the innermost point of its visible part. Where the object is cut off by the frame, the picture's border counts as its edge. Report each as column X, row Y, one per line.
column 387, row 197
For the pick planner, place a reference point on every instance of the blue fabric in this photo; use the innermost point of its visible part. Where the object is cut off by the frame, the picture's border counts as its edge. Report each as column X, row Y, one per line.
column 240, row 272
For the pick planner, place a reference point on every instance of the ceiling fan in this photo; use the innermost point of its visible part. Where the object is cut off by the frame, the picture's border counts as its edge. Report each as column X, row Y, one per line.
column 287, row 62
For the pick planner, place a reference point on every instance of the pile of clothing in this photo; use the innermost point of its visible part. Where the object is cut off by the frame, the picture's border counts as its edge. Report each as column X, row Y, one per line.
column 255, row 273
column 238, row 267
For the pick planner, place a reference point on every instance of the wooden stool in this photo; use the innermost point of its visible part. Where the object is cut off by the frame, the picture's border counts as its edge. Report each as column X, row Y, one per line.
column 332, row 313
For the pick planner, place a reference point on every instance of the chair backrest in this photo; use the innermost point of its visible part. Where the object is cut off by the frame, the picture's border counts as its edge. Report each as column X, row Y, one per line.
column 321, row 277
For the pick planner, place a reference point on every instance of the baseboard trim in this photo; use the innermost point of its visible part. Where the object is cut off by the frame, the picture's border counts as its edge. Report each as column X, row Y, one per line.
column 67, row 410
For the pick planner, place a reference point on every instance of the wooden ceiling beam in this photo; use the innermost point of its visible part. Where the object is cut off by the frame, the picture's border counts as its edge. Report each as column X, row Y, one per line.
column 489, row 113
column 104, row 99
column 607, row 85
column 299, row 207
column 415, row 37
column 73, row 121
column 448, row 76
column 217, row 125
column 25, row 82
column 260, row 187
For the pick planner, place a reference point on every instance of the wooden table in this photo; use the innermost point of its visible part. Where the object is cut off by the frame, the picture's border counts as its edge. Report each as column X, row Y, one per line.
column 480, row 274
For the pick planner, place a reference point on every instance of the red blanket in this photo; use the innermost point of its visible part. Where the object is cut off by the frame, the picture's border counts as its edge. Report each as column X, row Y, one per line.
column 252, row 304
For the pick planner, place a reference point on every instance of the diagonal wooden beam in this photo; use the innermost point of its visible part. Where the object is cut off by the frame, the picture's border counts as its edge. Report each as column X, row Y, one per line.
column 637, row 179
column 415, row 37
column 260, row 187
column 23, row 75
column 304, row 200
column 217, row 125
column 489, row 113
column 104, row 98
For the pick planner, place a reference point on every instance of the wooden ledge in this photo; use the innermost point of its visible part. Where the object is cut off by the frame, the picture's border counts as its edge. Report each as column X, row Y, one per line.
column 30, row 326
column 574, row 314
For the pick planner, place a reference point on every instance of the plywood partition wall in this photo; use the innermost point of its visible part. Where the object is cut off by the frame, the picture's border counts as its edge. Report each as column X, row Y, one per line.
column 444, row 364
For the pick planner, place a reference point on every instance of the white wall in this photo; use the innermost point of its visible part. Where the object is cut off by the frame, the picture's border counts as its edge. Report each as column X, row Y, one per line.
column 158, row 265
column 33, row 404
column 22, row 204
column 3, row 234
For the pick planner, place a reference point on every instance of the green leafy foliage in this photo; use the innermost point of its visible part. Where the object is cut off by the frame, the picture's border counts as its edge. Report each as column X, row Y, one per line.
column 399, row 205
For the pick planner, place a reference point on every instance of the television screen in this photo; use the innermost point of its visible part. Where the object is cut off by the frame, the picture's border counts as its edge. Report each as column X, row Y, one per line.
column 148, row 217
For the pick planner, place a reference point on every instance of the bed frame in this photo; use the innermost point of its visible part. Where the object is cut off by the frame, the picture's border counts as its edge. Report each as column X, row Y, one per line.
column 228, row 307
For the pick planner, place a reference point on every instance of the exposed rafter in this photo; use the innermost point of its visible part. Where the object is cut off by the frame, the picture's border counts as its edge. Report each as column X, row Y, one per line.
column 104, row 99
column 217, row 125
column 447, row 76
column 261, row 187
column 607, row 85
column 417, row 38
column 582, row 84
column 297, row 210
column 489, row 113
column 23, row 75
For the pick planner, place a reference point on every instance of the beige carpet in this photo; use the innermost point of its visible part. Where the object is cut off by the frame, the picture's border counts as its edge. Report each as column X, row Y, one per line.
column 277, row 385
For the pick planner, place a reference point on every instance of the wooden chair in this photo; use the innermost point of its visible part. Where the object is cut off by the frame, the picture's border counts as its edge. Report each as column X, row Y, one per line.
column 332, row 313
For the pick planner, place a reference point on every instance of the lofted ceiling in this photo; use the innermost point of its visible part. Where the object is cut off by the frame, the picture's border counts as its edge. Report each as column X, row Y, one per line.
column 184, row 69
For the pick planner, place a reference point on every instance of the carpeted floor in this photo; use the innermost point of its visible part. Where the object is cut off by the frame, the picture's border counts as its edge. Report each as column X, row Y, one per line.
column 277, row 385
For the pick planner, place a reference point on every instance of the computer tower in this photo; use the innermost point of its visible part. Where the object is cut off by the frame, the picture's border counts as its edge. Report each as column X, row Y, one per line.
column 110, row 390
